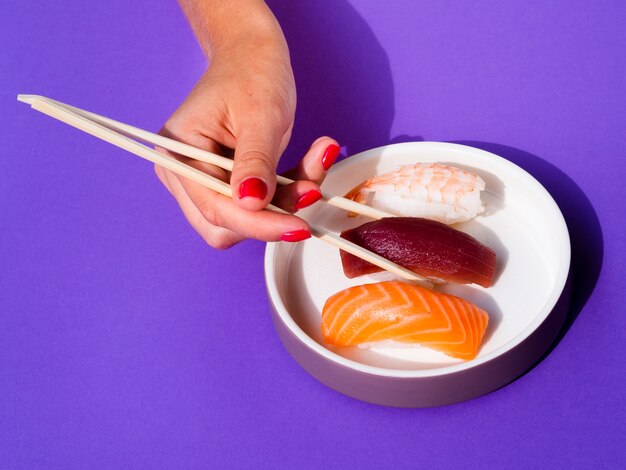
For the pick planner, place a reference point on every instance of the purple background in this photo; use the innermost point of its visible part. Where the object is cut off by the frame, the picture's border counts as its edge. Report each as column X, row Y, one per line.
column 126, row 342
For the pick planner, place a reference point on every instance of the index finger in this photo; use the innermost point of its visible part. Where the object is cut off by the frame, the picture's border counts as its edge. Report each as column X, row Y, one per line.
column 263, row 225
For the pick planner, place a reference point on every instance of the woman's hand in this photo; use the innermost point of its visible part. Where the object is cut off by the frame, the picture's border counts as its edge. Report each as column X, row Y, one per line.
column 244, row 105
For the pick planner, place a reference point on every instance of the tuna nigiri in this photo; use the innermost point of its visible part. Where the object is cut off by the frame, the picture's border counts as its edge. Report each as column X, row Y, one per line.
column 439, row 192
column 426, row 247
column 404, row 313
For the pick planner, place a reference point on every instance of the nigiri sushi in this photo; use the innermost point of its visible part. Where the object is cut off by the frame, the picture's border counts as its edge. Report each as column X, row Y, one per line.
column 439, row 192
column 404, row 313
column 428, row 248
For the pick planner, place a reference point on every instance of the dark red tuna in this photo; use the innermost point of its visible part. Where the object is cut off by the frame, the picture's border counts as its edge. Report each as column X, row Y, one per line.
column 426, row 247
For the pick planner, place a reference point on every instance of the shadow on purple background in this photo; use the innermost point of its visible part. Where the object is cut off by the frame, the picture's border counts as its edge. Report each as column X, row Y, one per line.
column 350, row 65
column 112, row 352
column 581, row 218
column 345, row 87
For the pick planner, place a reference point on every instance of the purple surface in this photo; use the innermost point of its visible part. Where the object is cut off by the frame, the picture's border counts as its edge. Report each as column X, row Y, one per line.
column 126, row 342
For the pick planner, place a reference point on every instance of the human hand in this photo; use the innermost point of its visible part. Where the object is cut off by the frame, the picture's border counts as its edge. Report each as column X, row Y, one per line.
column 246, row 102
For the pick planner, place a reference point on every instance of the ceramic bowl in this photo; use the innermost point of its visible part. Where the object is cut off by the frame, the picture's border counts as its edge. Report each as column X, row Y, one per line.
column 526, row 305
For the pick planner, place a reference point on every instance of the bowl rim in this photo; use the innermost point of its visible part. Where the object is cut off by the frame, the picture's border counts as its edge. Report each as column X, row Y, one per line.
column 561, row 275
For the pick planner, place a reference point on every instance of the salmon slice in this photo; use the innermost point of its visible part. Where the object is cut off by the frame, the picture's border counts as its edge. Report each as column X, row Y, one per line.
column 406, row 313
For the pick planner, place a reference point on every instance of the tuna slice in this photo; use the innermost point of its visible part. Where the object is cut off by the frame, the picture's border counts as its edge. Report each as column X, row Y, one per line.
column 426, row 247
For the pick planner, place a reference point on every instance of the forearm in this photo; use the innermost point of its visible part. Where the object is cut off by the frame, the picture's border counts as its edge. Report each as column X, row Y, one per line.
column 221, row 24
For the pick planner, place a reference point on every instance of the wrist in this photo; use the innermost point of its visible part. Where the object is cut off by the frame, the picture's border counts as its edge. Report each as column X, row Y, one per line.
column 228, row 25
column 255, row 40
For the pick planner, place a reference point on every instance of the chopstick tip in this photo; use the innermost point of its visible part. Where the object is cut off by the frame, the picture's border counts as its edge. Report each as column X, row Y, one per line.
column 28, row 99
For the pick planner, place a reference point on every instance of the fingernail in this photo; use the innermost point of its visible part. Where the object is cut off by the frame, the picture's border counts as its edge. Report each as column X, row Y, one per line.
column 330, row 155
column 253, row 187
column 307, row 199
column 296, row 236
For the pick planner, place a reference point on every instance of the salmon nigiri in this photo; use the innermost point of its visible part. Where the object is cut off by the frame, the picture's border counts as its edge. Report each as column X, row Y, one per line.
column 439, row 192
column 405, row 313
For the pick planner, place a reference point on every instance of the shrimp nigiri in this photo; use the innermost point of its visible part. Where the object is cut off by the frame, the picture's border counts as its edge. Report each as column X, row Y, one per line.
column 439, row 192
column 401, row 312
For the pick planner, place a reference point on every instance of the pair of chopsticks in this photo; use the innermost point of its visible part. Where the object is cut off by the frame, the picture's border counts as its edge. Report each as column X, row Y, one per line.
column 123, row 135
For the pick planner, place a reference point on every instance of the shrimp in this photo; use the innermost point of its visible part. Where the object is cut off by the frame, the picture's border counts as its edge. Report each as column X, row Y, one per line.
column 443, row 193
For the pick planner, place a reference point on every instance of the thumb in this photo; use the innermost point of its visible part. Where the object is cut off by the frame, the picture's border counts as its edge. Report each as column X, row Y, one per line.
column 253, row 180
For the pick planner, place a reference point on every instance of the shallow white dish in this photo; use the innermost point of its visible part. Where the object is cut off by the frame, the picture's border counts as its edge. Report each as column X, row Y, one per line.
column 522, row 223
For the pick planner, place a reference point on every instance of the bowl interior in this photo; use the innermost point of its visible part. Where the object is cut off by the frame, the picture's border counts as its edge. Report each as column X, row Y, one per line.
column 521, row 223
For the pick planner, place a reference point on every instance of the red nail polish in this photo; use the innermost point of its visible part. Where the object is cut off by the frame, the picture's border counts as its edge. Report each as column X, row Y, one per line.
column 330, row 155
column 307, row 199
column 253, row 187
column 296, row 236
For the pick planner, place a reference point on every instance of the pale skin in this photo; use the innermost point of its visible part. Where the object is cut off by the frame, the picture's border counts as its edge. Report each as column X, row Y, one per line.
column 243, row 106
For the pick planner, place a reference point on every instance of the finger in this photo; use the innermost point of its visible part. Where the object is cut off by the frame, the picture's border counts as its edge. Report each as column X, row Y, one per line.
column 207, row 168
column 223, row 212
column 317, row 161
column 160, row 172
column 285, row 139
column 217, row 237
column 197, row 140
column 194, row 138
column 297, row 195
column 253, row 179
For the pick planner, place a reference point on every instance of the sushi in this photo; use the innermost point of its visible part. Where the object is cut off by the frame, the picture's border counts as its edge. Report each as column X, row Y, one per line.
column 404, row 313
column 428, row 248
column 434, row 191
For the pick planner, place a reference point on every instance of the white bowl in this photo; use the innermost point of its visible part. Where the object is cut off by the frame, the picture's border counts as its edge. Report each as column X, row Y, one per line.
column 522, row 223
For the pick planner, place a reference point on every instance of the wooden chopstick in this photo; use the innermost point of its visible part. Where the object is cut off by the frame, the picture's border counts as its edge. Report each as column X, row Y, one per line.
column 113, row 137
column 203, row 155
